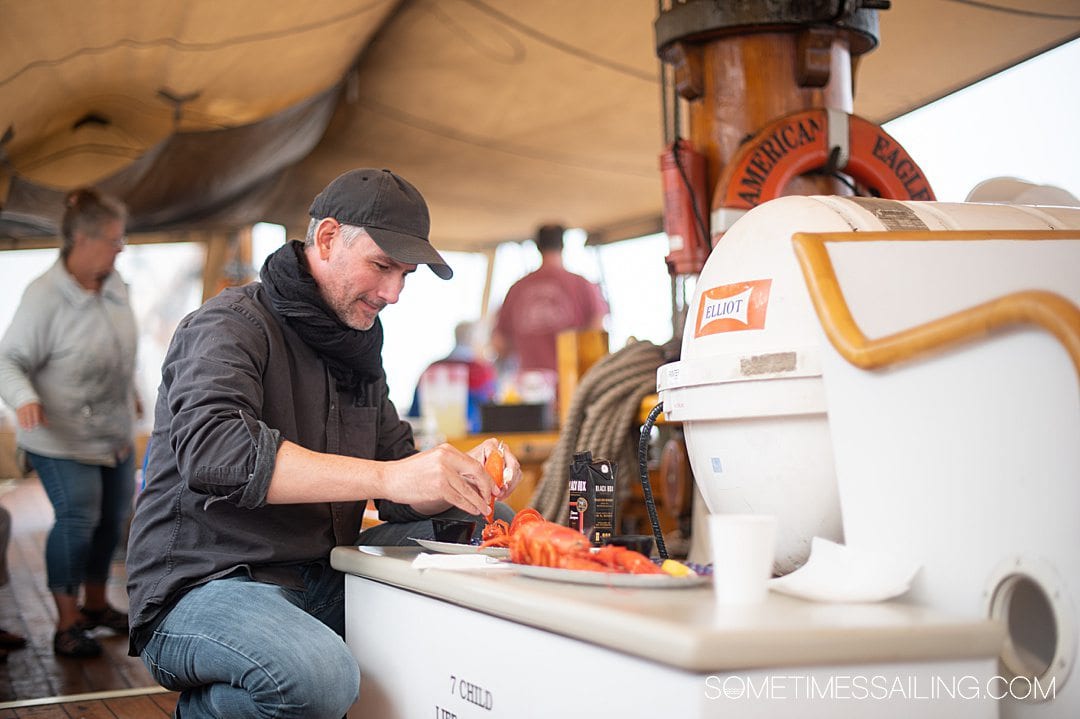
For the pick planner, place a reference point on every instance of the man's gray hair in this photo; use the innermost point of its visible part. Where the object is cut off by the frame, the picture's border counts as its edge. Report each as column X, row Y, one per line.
column 349, row 233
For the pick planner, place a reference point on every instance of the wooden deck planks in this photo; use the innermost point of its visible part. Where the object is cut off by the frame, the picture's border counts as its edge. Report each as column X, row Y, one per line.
column 86, row 710
column 159, row 705
column 167, row 702
column 26, row 607
column 136, row 708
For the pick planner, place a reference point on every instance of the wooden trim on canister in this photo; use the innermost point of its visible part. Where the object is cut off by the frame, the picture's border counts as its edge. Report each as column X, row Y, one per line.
column 1048, row 310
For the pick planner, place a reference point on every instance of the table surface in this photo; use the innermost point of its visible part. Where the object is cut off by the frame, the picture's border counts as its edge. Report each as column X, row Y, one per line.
column 684, row 627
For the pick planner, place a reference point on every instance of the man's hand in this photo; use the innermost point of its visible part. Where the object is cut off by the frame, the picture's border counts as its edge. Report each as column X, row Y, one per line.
column 31, row 415
column 434, row 480
column 430, row 482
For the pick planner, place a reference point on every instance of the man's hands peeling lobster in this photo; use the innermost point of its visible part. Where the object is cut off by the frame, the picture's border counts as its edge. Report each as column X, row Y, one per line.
column 442, row 477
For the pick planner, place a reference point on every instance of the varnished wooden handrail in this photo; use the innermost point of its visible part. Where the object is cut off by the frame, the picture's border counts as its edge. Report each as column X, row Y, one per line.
column 1048, row 310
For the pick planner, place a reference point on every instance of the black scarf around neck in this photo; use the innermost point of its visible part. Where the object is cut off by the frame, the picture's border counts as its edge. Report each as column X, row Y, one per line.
column 352, row 356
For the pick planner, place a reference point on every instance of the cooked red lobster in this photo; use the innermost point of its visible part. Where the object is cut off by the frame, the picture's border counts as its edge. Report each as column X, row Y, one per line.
column 532, row 540
column 495, row 465
column 498, row 533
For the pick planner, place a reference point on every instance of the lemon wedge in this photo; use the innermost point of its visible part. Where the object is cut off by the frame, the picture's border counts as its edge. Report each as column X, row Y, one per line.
column 676, row 569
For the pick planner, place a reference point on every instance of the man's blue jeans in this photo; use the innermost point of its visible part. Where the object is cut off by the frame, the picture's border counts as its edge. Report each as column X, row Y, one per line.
column 239, row 648
column 91, row 503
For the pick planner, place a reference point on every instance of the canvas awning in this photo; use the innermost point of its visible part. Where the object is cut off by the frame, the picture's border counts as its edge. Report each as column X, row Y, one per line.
column 506, row 114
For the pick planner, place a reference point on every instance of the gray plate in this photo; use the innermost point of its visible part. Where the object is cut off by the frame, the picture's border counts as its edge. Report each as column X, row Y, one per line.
column 452, row 548
column 611, row 579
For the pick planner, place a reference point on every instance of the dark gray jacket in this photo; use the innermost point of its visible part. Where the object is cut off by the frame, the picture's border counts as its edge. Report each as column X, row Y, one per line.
column 235, row 383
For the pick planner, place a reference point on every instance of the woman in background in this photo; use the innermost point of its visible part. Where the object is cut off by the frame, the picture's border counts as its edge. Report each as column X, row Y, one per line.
column 67, row 367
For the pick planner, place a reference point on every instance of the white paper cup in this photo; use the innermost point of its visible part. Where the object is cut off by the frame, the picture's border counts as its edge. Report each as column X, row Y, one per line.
column 742, row 548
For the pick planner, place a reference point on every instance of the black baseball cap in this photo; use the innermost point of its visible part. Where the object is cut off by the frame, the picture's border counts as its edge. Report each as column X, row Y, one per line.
column 389, row 209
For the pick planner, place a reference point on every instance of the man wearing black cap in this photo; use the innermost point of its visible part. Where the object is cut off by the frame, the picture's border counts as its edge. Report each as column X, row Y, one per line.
column 273, row 426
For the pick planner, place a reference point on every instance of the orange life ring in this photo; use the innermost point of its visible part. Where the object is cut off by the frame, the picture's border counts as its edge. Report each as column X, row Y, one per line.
column 803, row 141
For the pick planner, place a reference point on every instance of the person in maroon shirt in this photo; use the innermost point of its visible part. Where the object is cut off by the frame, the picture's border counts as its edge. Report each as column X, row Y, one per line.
column 544, row 303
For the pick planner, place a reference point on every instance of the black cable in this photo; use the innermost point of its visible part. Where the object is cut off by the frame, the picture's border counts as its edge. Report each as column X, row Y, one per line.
column 664, row 87
column 690, row 191
column 830, row 170
column 646, row 487
column 850, row 185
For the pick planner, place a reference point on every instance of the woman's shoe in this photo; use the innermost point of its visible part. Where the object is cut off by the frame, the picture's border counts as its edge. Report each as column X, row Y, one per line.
column 107, row 617
column 74, row 642
column 11, row 641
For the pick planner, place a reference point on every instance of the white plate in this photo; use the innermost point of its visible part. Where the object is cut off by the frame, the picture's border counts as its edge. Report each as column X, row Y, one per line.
column 611, row 579
column 453, row 548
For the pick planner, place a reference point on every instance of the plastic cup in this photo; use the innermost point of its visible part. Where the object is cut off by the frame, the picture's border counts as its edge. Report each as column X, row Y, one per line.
column 743, row 546
column 444, row 396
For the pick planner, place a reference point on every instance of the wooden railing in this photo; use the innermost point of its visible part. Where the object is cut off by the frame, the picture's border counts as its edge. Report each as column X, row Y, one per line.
column 1047, row 310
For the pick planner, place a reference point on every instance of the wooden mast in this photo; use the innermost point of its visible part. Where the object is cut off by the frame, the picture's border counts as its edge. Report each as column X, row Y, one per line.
column 743, row 63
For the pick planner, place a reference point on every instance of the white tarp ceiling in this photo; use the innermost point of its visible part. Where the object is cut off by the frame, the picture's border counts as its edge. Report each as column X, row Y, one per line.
column 505, row 113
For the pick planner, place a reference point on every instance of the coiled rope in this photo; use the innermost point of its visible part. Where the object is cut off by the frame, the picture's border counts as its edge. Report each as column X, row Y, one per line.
column 603, row 419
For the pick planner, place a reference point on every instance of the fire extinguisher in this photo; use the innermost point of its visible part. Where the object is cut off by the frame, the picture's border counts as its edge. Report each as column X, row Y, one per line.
column 685, row 220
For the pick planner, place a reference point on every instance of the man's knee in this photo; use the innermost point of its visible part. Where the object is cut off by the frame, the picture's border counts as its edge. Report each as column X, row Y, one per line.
column 327, row 680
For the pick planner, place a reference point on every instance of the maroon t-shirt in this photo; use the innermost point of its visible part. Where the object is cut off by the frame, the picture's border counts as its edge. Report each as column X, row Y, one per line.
column 541, row 305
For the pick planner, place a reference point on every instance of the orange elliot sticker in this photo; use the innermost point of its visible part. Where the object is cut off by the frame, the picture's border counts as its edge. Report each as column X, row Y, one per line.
column 731, row 308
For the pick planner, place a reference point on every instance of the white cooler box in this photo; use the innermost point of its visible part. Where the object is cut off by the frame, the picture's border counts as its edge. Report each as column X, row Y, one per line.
column 958, row 446
column 965, row 459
